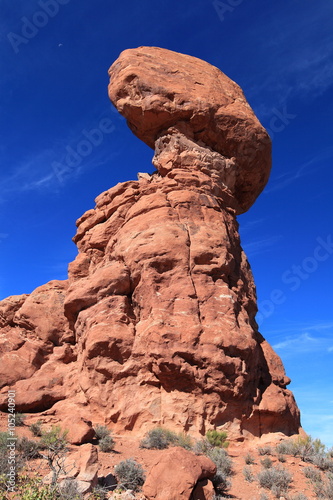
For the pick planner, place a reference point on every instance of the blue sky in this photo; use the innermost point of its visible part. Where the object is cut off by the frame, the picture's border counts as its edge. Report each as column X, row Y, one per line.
column 53, row 90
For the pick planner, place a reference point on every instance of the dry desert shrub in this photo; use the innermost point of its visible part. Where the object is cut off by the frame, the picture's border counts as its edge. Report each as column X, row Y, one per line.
column 275, row 479
column 36, row 428
column 106, row 442
column 298, row 496
column 19, row 419
column 324, row 489
column 130, row 474
column 224, row 468
column 266, row 462
column 249, row 459
column 312, row 474
column 248, row 476
column 265, row 450
column 158, row 439
column 28, row 448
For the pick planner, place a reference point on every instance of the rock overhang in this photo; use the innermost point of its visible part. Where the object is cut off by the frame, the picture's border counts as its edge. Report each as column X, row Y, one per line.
column 156, row 89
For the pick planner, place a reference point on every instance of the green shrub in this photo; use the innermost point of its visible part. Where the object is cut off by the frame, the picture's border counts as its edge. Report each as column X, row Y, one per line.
column 248, row 476
column 275, row 479
column 36, row 428
column 106, row 443
column 33, row 489
column 249, row 460
column 54, row 439
column 158, row 439
column 130, row 474
column 217, row 438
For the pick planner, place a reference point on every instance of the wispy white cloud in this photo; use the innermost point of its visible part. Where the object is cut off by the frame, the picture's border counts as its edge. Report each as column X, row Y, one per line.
column 301, row 59
column 301, row 327
column 260, row 246
column 304, row 338
column 38, row 174
column 303, row 341
column 284, row 180
column 33, row 174
column 316, row 409
column 251, row 225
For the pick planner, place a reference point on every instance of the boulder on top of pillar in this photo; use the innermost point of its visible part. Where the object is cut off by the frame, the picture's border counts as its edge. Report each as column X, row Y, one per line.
column 155, row 89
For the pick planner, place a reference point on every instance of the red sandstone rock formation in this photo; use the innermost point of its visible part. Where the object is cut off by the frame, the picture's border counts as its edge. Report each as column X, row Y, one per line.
column 180, row 475
column 160, row 300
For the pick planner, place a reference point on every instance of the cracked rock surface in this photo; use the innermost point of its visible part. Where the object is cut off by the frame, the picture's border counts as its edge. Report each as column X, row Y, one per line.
column 156, row 325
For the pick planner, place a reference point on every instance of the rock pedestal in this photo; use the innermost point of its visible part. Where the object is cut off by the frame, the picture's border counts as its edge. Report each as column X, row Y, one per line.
column 161, row 301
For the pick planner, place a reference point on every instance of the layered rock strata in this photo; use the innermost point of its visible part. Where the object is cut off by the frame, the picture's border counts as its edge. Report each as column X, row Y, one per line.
column 156, row 323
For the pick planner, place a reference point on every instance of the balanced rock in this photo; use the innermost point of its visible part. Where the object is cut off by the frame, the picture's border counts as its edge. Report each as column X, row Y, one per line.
column 157, row 317
column 156, row 89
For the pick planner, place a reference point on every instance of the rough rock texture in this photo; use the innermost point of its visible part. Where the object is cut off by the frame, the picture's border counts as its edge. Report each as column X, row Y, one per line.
column 204, row 490
column 156, row 89
column 79, row 429
column 160, row 302
column 35, row 339
column 82, row 466
column 177, row 474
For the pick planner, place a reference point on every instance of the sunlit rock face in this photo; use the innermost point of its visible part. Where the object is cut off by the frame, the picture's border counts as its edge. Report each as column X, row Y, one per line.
column 156, row 322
